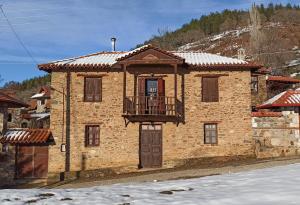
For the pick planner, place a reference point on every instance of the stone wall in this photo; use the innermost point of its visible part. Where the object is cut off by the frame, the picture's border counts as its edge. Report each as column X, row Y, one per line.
column 261, row 96
column 278, row 135
column 119, row 145
column 7, row 166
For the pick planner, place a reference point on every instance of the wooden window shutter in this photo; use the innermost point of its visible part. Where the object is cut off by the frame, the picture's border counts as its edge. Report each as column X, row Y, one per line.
column 88, row 90
column 93, row 90
column 161, row 87
column 96, row 135
column 92, row 135
column 161, row 95
column 210, row 89
column 97, row 89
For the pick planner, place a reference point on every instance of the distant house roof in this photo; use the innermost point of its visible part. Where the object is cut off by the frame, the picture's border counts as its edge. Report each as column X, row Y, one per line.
column 109, row 59
column 26, row 136
column 285, row 79
column 44, row 92
column 10, row 101
column 289, row 98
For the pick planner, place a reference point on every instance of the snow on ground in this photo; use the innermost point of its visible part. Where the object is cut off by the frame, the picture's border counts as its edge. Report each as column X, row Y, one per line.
column 274, row 186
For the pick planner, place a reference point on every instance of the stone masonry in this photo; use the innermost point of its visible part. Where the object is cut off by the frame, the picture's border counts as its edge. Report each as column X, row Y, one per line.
column 119, row 145
column 277, row 136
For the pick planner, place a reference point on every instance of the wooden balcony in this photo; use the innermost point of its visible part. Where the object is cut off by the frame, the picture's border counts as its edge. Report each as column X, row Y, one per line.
column 153, row 109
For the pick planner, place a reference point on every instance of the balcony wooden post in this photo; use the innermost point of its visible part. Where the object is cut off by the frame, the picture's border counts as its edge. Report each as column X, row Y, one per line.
column 124, row 88
column 175, row 88
column 135, row 92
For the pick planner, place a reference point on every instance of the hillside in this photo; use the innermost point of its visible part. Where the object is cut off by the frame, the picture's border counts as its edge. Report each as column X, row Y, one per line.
column 275, row 44
column 25, row 89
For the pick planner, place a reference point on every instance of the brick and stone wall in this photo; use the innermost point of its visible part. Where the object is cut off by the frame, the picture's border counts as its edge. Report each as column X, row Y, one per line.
column 276, row 135
column 119, row 145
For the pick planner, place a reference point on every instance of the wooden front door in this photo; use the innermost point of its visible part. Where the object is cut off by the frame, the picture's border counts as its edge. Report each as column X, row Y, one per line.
column 150, row 146
column 31, row 161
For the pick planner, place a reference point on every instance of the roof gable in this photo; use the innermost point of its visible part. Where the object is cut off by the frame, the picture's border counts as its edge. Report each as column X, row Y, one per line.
column 289, row 98
column 149, row 53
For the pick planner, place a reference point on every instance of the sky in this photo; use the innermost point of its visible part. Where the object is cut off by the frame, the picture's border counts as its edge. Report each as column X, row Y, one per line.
column 58, row 29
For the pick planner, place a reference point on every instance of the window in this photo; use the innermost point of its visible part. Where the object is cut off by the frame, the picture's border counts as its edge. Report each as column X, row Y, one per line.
column 92, row 135
column 210, row 89
column 254, row 84
column 93, row 89
column 9, row 117
column 210, row 133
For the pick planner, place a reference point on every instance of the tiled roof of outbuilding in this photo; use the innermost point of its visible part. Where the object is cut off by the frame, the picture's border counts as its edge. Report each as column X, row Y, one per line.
column 283, row 79
column 289, row 98
column 11, row 101
column 26, row 136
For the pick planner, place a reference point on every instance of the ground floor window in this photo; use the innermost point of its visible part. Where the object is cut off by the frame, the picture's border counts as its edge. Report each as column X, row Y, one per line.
column 92, row 135
column 210, row 133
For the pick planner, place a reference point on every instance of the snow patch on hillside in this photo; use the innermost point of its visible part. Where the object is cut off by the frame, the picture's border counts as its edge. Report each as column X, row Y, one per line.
column 213, row 41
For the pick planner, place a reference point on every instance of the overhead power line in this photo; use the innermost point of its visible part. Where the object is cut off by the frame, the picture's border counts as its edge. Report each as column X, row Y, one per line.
column 17, row 36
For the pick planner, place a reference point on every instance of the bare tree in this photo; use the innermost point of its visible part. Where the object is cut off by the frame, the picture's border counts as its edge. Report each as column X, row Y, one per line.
column 256, row 34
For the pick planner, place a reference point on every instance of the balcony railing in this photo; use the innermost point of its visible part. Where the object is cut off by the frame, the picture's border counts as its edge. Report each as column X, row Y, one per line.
column 153, row 105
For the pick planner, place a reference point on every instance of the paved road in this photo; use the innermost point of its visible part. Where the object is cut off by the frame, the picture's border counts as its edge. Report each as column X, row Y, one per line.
column 183, row 174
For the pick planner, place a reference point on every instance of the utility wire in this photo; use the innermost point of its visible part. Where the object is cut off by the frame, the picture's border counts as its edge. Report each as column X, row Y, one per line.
column 17, row 36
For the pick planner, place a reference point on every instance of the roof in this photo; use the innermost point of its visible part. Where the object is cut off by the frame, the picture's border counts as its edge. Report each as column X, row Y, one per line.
column 266, row 114
column 44, row 92
column 286, row 79
column 26, row 136
column 108, row 59
column 11, row 101
column 40, row 116
column 289, row 98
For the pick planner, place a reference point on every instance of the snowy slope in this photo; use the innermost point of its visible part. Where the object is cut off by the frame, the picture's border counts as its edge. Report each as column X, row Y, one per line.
column 274, row 186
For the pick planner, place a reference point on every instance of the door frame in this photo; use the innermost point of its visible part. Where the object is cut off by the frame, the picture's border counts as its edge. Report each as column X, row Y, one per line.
column 140, row 143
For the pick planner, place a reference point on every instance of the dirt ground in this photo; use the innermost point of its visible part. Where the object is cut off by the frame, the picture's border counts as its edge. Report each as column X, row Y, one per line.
column 181, row 174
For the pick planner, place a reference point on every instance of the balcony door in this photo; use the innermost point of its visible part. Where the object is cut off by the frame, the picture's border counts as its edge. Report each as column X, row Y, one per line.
column 151, row 99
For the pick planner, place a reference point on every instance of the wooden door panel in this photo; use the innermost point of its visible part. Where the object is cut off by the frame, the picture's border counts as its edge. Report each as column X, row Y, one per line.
column 40, row 162
column 151, row 147
column 24, row 161
column 32, row 161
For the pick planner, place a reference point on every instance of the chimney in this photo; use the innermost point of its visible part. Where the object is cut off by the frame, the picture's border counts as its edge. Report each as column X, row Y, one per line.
column 113, row 43
column 242, row 54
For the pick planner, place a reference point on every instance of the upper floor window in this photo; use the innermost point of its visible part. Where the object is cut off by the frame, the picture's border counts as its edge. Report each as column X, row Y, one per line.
column 210, row 133
column 254, row 84
column 92, row 135
column 93, row 89
column 210, row 89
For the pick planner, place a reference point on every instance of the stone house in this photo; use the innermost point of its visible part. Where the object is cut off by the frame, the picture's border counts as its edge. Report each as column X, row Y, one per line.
column 24, row 152
column 38, row 113
column 276, row 127
column 147, row 108
column 265, row 86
